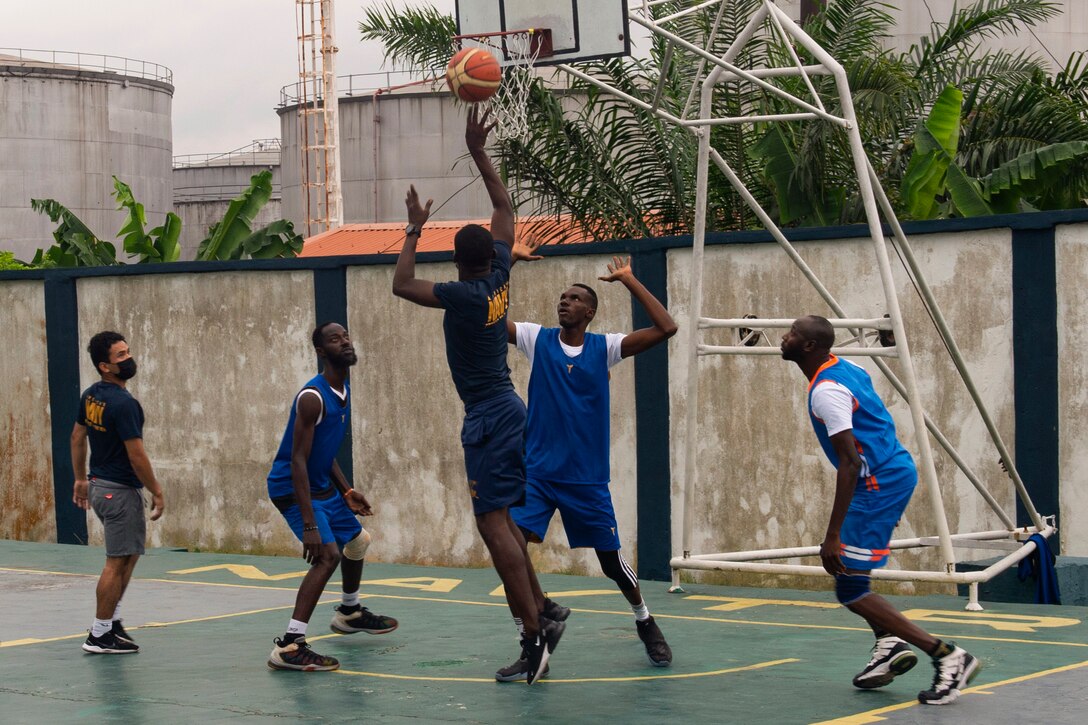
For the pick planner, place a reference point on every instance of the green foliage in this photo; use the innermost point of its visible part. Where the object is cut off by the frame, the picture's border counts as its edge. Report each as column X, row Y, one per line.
column 233, row 237
column 621, row 173
column 9, row 262
column 158, row 245
column 76, row 245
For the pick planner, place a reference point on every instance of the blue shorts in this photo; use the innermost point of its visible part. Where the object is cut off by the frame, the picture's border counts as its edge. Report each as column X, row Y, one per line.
column 493, row 437
column 335, row 521
column 878, row 505
column 586, row 509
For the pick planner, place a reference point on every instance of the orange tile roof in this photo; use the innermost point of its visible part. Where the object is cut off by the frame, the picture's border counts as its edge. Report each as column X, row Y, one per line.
column 386, row 238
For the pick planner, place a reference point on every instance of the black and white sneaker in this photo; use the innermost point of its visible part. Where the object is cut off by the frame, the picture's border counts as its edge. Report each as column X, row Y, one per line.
column 349, row 620
column 519, row 670
column 540, row 650
column 555, row 611
column 119, row 632
column 657, row 649
column 954, row 671
column 109, row 644
column 891, row 658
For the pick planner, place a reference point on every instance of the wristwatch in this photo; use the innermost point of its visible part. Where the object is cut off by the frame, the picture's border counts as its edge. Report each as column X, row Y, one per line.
column 413, row 229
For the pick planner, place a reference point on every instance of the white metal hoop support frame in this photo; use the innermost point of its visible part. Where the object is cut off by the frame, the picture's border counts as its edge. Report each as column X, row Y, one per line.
column 518, row 51
column 1010, row 539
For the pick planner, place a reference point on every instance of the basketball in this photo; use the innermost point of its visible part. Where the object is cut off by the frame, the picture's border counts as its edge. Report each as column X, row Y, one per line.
column 474, row 75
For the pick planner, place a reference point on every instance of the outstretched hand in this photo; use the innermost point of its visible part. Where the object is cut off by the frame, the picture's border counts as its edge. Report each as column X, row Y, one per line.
column 478, row 128
column 618, row 269
column 358, row 504
column 417, row 214
column 526, row 251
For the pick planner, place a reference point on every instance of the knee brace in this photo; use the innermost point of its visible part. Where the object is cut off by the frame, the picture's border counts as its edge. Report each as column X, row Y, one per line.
column 356, row 548
column 618, row 570
column 850, row 588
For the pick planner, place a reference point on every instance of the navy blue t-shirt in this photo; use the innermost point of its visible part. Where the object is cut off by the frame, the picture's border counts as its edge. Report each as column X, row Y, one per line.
column 112, row 416
column 475, row 330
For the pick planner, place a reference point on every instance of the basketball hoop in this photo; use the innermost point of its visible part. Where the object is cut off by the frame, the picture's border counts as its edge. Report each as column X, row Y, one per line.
column 518, row 51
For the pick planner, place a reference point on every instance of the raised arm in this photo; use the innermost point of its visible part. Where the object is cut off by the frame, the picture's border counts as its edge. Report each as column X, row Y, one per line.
column 405, row 284
column 502, row 214
column 663, row 326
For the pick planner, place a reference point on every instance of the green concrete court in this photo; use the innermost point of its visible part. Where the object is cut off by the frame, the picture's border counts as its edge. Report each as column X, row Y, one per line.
column 205, row 624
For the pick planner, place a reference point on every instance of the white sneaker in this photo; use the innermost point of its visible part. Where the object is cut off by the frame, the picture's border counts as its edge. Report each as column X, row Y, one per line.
column 953, row 671
column 891, row 658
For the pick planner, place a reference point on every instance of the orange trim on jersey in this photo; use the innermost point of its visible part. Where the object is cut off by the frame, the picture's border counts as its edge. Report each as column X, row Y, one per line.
column 831, row 360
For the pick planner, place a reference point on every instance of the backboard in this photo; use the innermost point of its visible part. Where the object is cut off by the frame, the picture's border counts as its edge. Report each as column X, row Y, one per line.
column 580, row 29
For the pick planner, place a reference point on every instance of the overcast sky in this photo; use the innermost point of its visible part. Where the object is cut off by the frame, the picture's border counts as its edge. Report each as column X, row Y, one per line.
column 229, row 57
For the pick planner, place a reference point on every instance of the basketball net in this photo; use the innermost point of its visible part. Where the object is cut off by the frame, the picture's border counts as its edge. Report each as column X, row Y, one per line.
column 510, row 105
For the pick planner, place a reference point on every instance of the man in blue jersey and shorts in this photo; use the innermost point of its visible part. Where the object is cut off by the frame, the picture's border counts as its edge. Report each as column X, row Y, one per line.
column 875, row 479
column 320, row 505
column 567, row 436
column 493, row 434
column 112, row 421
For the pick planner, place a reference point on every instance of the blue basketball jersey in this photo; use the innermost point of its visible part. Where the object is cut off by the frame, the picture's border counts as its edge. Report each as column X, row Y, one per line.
column 328, row 435
column 567, row 434
column 873, row 427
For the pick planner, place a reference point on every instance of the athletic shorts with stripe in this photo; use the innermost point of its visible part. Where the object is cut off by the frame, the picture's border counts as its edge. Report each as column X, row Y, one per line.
column 588, row 516
column 878, row 505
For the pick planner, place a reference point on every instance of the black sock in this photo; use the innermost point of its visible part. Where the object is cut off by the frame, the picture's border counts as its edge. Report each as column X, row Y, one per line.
column 941, row 650
column 292, row 637
column 881, row 634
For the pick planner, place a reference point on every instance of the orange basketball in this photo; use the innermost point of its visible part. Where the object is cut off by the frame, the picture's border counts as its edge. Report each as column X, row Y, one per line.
column 474, row 75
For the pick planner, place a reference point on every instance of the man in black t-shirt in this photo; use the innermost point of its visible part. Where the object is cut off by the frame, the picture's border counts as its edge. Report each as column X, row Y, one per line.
column 493, row 434
column 112, row 421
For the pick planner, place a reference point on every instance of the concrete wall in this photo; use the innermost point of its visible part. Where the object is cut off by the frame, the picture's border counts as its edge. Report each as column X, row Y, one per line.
column 64, row 134
column 202, row 195
column 220, row 356
column 762, row 480
column 1072, row 269
column 222, row 352
column 26, row 471
column 1053, row 41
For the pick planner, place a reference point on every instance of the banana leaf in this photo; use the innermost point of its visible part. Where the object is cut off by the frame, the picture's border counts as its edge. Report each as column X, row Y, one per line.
column 935, row 144
column 226, row 237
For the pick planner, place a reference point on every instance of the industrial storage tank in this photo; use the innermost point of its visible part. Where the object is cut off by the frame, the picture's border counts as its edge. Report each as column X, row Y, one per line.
column 388, row 140
column 69, row 122
column 205, row 184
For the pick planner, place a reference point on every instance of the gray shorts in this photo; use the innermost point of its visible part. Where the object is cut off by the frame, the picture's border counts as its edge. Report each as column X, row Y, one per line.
column 120, row 508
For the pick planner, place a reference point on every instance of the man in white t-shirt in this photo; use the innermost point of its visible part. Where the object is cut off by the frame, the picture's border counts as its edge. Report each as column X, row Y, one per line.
column 567, row 438
column 875, row 477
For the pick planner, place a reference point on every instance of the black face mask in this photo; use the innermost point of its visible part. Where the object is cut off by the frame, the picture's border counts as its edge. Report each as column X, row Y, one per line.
column 126, row 368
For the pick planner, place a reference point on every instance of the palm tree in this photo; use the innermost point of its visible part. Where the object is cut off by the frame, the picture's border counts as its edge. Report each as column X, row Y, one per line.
column 621, row 172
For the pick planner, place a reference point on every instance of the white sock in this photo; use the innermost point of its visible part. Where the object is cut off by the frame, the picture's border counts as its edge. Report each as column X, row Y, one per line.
column 642, row 612
column 296, row 627
column 101, row 626
column 350, row 600
column 117, row 611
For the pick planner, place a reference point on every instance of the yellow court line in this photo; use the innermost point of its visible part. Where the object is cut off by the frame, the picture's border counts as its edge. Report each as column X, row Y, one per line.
column 681, row 617
column 871, row 716
column 155, row 625
column 639, row 678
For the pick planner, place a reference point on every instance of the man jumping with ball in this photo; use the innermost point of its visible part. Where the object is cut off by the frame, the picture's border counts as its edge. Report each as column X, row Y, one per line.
column 493, row 434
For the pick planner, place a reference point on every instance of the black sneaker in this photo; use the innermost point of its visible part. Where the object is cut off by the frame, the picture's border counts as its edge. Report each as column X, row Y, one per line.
column 891, row 658
column 109, row 644
column 519, row 670
column 119, row 632
column 348, row 620
column 555, row 611
column 657, row 649
column 953, row 671
column 540, row 650
column 297, row 655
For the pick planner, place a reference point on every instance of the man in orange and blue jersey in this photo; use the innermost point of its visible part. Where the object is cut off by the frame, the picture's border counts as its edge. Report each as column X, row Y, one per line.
column 875, row 479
